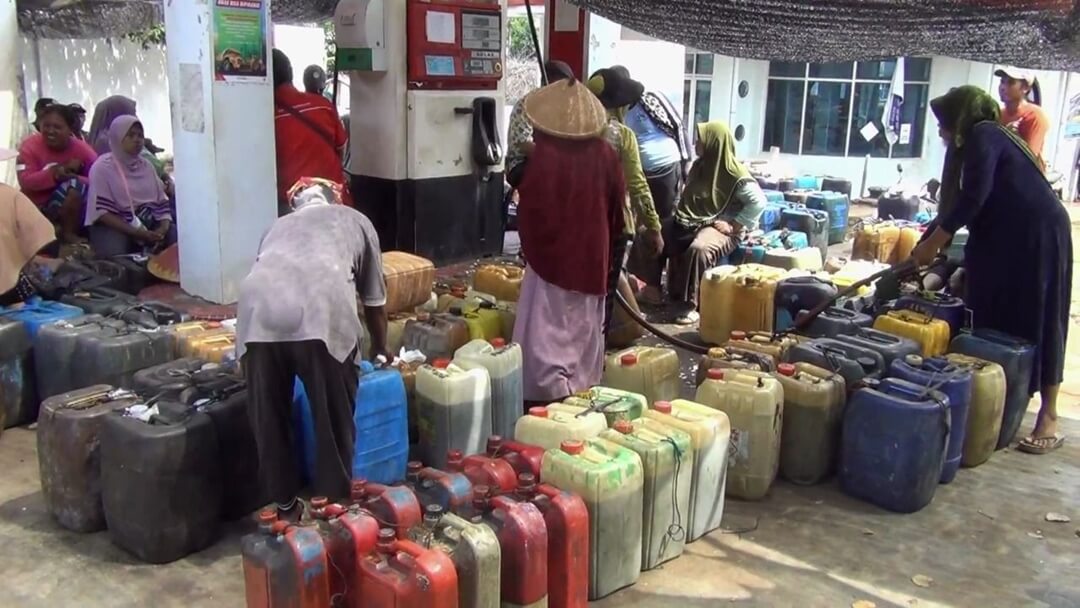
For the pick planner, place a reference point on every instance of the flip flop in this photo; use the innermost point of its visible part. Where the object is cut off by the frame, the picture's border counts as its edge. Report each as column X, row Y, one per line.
column 1040, row 446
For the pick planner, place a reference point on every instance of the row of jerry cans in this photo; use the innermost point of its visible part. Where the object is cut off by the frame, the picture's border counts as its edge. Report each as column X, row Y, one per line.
column 786, row 185
column 835, row 205
column 459, row 317
column 889, row 242
column 784, row 249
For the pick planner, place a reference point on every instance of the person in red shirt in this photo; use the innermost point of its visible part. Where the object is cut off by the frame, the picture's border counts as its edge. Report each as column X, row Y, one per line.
column 53, row 169
column 1019, row 113
column 310, row 138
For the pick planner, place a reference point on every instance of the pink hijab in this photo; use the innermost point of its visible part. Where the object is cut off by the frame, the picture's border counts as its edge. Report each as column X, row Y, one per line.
column 120, row 183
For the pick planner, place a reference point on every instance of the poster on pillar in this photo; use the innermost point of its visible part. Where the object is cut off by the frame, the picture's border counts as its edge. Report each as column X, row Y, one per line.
column 239, row 41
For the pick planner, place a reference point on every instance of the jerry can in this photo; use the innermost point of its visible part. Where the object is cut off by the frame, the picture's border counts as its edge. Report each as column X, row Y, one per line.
column 409, row 280
column 403, row 574
column 798, row 293
column 952, row 381
column 438, row 335
column 114, row 354
column 808, row 258
column 786, row 239
column 835, row 321
column 483, row 321
column 613, row 403
column 136, row 276
column 608, row 478
column 714, row 297
column 348, row 535
column 855, row 271
column 754, row 403
column 69, row 457
column 797, row 196
column 114, row 274
column 762, row 342
column 876, row 242
column 503, row 364
column 898, row 206
column 666, row 467
column 807, row 182
column 985, row 410
column 507, row 318
column 216, row 349
column 737, row 298
column 545, row 427
column 836, row 184
column 35, row 313
column 1016, row 357
column 567, row 521
column 652, row 372
column 285, row 565
column 814, row 401
column 710, row 434
column 474, row 550
column 893, row 444
column 500, row 280
column 721, row 358
column 184, row 380
column 939, row 306
column 482, row 470
column 17, row 399
column 838, row 207
column 891, row 347
column 909, row 238
column 453, row 408
column 395, row 331
column 188, row 336
column 523, row 542
column 99, row 300
column 393, row 506
column 524, row 458
column 813, row 222
column 450, row 490
column 455, row 298
column 931, row 334
column 850, row 361
column 770, row 218
column 54, row 352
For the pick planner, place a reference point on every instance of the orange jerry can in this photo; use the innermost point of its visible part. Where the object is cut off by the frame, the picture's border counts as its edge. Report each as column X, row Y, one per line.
column 285, row 565
column 395, row 506
column 402, row 574
column 567, row 521
column 349, row 534
column 483, row 470
column 523, row 542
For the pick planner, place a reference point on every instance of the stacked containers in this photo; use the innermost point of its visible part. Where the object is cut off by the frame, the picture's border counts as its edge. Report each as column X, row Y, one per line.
column 548, row 429
column 1016, row 357
column 986, row 409
column 503, row 364
column 473, row 548
column 948, row 308
column 738, row 298
column 931, row 334
column 454, row 410
column 437, row 335
column 645, row 370
column 813, row 411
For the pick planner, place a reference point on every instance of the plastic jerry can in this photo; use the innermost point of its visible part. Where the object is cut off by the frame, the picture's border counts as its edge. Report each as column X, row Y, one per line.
column 812, row 222
column 876, row 242
column 773, row 196
column 545, row 427
column 891, row 347
column 161, row 482
column 99, row 300
column 183, row 333
column 109, row 273
column 174, row 379
column 613, row 403
column 649, row 371
column 451, row 491
column 17, row 400
column 394, row 506
column 503, row 364
column 483, row 321
column 955, row 383
column 348, row 534
column 852, row 362
column 836, row 184
column 409, row 280
column 68, row 449
column 438, row 336
column 909, row 238
column 523, row 542
column 666, row 458
column 500, row 280
column 835, row 321
column 893, row 443
column 786, row 239
column 507, row 318
column 395, row 331
column 35, row 313
column 715, row 296
column 403, row 574
column 785, row 185
column 454, row 298
column 855, row 271
column 767, row 183
column 114, row 354
column 931, row 334
column 609, row 479
column 567, row 521
column 770, row 218
column 381, row 420
column 473, row 548
column 749, row 251
column 808, row 258
column 482, row 470
column 798, row 196
column 814, row 401
column 798, row 293
column 453, row 407
column 753, row 294
column 985, row 410
column 948, row 308
column 1016, row 357
column 136, row 276
column 897, row 206
column 150, row 315
column 710, row 434
column 754, row 403
column 216, row 349
column 807, row 182
column 285, row 565
column 54, row 354
column 524, row 458
column 761, row 342
column 720, row 358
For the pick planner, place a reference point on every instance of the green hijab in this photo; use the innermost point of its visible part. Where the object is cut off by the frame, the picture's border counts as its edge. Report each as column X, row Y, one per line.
column 713, row 178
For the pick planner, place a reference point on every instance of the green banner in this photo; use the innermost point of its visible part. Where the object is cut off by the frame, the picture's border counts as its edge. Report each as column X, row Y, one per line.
column 239, row 40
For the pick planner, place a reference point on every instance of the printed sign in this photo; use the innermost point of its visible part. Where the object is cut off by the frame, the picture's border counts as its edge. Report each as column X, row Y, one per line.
column 905, row 134
column 239, row 40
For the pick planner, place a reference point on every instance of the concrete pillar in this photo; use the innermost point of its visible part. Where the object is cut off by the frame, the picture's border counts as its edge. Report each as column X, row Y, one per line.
column 223, row 140
column 12, row 113
column 567, row 31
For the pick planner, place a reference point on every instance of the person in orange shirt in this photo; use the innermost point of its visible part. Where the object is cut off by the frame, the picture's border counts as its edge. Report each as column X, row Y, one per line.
column 1019, row 113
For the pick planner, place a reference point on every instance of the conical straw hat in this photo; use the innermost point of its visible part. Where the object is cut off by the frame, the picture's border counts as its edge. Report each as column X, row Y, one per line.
column 566, row 109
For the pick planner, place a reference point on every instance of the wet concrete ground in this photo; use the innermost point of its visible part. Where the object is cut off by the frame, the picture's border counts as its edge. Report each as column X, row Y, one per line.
column 983, row 541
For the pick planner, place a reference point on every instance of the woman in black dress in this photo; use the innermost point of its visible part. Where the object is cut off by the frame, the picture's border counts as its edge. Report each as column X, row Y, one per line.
column 1019, row 252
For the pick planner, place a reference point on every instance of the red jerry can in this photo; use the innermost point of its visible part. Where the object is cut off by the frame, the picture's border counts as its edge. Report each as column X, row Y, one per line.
column 523, row 457
column 523, row 541
column 394, row 506
column 451, row 491
column 349, row 534
column 402, row 574
column 483, row 470
column 285, row 565
column 567, row 520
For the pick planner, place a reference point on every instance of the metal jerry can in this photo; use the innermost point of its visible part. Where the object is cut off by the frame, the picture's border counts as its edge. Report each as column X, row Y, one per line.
column 474, row 549
column 451, row 491
column 349, row 534
column 484, row 471
column 524, row 458
column 523, row 541
column 285, row 565
column 567, row 521
column 393, row 506
column 403, row 574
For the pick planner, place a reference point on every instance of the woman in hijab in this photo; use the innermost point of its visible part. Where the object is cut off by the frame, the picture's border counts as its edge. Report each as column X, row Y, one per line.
column 24, row 231
column 570, row 213
column 105, row 112
column 1019, row 251
column 127, row 208
column 720, row 202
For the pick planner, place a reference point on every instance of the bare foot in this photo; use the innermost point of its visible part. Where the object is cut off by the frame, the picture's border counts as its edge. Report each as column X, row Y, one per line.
column 1045, row 427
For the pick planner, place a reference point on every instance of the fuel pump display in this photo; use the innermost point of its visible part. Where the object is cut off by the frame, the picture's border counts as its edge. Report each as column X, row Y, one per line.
column 454, row 45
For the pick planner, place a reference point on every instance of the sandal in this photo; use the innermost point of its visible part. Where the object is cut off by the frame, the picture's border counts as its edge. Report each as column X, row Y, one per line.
column 689, row 318
column 1040, row 446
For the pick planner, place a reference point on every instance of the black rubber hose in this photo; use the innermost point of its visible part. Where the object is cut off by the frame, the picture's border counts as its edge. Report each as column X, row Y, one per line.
column 656, row 331
column 536, row 42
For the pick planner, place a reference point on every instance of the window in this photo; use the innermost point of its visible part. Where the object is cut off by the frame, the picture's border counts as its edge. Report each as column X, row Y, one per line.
column 823, row 108
column 697, row 87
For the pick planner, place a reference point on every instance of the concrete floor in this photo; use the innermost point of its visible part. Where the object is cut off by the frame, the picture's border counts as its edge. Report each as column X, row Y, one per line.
column 984, row 541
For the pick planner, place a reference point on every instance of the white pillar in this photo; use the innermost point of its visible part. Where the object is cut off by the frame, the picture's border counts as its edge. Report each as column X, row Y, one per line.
column 223, row 140
column 12, row 114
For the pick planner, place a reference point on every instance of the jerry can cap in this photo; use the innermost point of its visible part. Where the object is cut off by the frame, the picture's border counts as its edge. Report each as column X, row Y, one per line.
column 527, row 482
column 664, row 407
column 539, row 412
column 413, row 467
column 786, row 369
column 454, row 456
column 715, row 374
column 498, row 342
column 357, row 489
column 440, row 363
column 738, row 335
column 913, row 360
column 494, row 443
column 573, row 446
column 268, row 516
column 319, row 502
column 624, row 426
column 628, row 359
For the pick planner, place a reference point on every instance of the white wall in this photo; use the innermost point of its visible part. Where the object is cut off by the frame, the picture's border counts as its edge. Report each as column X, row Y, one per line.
column 655, row 63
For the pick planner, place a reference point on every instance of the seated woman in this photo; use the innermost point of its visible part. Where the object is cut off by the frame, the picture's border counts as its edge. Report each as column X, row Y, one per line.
column 52, row 169
column 23, row 233
column 128, row 209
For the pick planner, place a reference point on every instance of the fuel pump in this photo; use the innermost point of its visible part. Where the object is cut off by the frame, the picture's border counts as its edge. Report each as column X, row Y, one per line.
column 426, row 114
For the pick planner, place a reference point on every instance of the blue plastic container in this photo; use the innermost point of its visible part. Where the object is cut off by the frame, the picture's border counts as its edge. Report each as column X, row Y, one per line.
column 1017, row 357
column 955, row 383
column 948, row 308
column 835, row 321
column 35, row 313
column 838, row 208
column 774, row 196
column 750, row 251
column 17, row 403
column 770, row 218
column 811, row 222
column 893, row 444
column 807, row 182
column 381, row 417
column 787, row 239
column 891, row 347
column 798, row 293
column 854, row 363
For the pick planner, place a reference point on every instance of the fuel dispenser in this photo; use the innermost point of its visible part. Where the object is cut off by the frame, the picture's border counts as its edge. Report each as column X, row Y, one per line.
column 426, row 113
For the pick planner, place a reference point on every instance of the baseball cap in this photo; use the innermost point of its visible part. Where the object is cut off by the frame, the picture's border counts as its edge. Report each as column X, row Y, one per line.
column 7, row 154
column 1015, row 73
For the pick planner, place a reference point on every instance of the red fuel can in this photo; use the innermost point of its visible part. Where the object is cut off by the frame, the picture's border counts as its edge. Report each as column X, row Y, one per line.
column 523, row 540
column 523, row 457
column 483, row 470
column 393, row 506
column 567, row 520
column 451, row 491
column 285, row 565
column 402, row 574
column 349, row 534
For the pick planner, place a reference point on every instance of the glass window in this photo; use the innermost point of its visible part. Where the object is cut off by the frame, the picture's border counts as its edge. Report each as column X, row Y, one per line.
column 787, row 69
column 687, row 91
column 832, row 70
column 876, row 70
column 917, row 69
column 704, row 64
column 825, row 121
column 783, row 115
column 702, row 99
column 689, row 63
column 913, row 113
column 868, row 106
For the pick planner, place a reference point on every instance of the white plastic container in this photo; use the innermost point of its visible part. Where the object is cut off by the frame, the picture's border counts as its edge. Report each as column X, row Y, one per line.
column 453, row 408
column 503, row 364
column 548, row 427
column 614, row 404
column 645, row 370
column 754, row 403
column 709, row 432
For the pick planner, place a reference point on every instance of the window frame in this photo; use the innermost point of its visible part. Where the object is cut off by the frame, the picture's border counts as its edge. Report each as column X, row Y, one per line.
column 692, row 78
